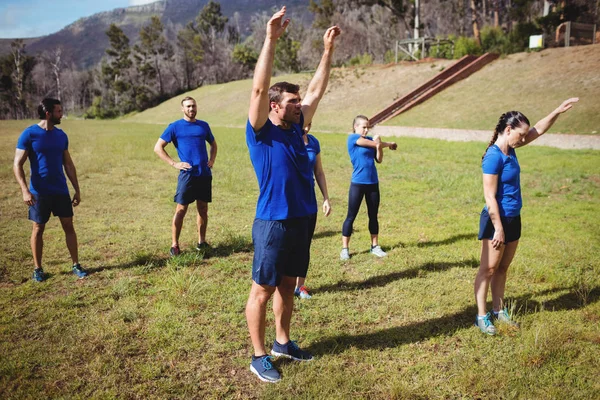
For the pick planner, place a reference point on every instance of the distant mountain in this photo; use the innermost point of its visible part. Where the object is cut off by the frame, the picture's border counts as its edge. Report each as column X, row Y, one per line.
column 85, row 41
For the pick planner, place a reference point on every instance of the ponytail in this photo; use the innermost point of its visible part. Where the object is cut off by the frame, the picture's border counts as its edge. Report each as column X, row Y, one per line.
column 513, row 119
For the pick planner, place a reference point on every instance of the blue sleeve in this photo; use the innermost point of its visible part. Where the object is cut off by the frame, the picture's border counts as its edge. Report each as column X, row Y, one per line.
column 24, row 142
column 492, row 163
column 209, row 135
column 316, row 144
column 66, row 142
column 168, row 134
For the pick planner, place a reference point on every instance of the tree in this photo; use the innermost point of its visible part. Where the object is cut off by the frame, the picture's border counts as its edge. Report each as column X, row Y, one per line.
column 153, row 49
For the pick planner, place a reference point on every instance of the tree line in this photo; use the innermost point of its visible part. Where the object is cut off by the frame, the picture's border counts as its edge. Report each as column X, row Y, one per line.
column 210, row 49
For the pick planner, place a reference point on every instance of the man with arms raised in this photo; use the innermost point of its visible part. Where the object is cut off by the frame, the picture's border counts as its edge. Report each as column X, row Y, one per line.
column 189, row 136
column 46, row 146
column 274, row 131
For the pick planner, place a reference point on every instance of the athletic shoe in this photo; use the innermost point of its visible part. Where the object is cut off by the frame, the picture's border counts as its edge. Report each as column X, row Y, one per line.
column 174, row 251
column 345, row 254
column 203, row 246
column 504, row 317
column 290, row 350
column 263, row 368
column 80, row 272
column 485, row 324
column 378, row 252
column 38, row 275
column 302, row 292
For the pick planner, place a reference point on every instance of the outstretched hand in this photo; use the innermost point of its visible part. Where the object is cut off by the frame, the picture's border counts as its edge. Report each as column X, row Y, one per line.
column 567, row 105
column 275, row 27
column 330, row 35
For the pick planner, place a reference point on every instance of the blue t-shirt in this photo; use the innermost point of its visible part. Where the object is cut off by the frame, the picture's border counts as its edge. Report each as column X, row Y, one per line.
column 189, row 138
column 508, row 170
column 281, row 163
column 45, row 151
column 363, row 161
column 314, row 148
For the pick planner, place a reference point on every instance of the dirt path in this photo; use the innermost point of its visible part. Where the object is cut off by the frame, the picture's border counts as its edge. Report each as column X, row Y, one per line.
column 558, row 140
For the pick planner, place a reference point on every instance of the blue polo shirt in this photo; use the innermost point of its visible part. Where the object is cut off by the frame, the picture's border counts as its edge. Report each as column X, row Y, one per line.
column 189, row 138
column 508, row 195
column 313, row 148
column 45, row 152
column 363, row 161
column 282, row 166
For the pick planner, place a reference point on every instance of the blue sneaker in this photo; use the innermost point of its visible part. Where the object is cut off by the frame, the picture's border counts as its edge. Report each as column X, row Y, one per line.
column 302, row 292
column 38, row 275
column 80, row 272
column 263, row 368
column 485, row 324
column 290, row 350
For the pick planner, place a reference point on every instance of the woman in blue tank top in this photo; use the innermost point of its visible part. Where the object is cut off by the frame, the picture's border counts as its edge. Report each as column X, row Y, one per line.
column 500, row 222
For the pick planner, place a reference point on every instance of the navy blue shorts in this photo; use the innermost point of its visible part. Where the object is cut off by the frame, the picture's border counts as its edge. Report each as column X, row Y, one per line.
column 60, row 205
column 511, row 225
column 191, row 188
column 281, row 248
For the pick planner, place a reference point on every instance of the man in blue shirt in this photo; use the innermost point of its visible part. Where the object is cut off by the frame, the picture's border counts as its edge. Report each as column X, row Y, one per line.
column 46, row 146
column 189, row 136
column 280, row 233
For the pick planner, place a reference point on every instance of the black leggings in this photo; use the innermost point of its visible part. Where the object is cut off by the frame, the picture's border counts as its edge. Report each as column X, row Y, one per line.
column 355, row 196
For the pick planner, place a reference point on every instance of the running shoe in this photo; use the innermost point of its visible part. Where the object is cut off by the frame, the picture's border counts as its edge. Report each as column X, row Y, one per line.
column 38, row 275
column 80, row 272
column 485, row 324
column 504, row 317
column 302, row 292
column 174, row 251
column 263, row 368
column 290, row 350
column 203, row 246
column 345, row 254
column 378, row 251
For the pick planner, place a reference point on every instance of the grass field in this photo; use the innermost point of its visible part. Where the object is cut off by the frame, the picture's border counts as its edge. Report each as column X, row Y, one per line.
column 534, row 83
column 144, row 326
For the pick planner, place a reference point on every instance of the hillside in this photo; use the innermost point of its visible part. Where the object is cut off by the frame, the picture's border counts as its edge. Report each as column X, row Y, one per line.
column 85, row 41
column 534, row 83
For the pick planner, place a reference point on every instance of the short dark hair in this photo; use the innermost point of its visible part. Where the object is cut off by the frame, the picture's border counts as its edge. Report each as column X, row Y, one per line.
column 186, row 98
column 47, row 105
column 276, row 91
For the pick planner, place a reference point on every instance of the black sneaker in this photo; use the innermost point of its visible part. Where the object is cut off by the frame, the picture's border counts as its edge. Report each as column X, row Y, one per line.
column 263, row 368
column 290, row 350
column 80, row 272
column 203, row 246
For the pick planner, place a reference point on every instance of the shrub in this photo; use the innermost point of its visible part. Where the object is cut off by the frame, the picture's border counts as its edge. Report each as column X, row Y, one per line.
column 361, row 59
column 466, row 46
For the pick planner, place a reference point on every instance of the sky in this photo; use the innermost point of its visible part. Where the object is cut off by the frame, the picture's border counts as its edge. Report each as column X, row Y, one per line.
column 31, row 18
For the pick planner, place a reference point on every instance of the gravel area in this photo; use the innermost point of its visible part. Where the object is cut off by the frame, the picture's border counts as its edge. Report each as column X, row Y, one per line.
column 558, row 140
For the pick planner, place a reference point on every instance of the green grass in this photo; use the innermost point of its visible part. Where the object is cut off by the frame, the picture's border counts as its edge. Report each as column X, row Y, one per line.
column 146, row 326
column 534, row 83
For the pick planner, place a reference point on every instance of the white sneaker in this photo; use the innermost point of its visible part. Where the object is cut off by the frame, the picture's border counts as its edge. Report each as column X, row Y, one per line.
column 345, row 255
column 378, row 252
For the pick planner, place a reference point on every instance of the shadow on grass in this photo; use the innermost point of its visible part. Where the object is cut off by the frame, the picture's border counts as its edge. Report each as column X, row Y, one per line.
column 450, row 240
column 149, row 261
column 382, row 280
column 325, row 234
column 231, row 245
column 446, row 325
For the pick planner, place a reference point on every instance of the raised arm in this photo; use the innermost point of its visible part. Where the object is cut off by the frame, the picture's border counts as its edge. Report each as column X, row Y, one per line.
column 543, row 125
column 20, row 158
column 318, row 84
column 490, row 186
column 72, row 175
column 322, row 182
column 259, row 99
